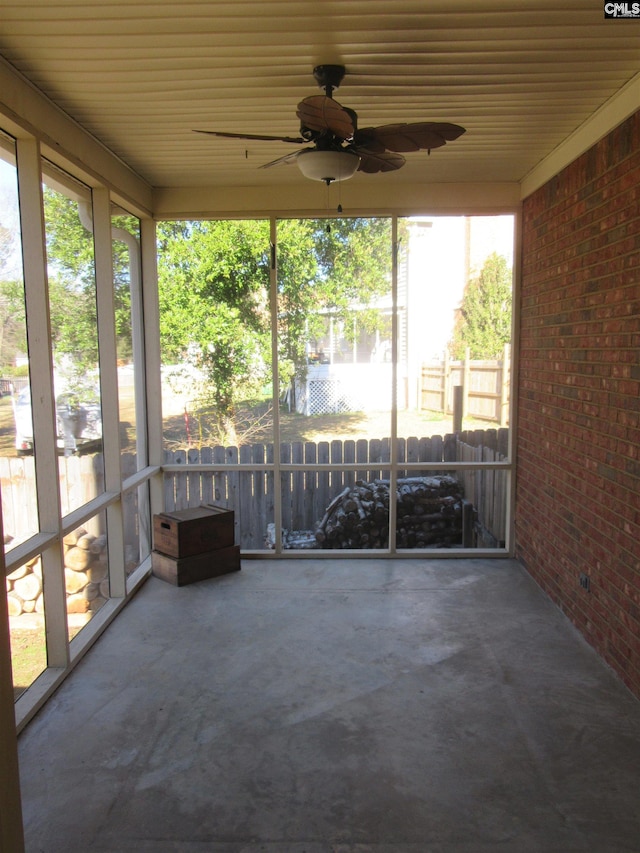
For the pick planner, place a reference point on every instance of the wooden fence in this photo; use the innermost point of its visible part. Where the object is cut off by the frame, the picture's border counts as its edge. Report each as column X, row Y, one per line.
column 306, row 494
column 12, row 386
column 81, row 478
column 250, row 491
column 485, row 387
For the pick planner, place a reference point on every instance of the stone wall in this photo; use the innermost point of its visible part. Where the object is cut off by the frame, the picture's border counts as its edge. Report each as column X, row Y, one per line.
column 86, row 577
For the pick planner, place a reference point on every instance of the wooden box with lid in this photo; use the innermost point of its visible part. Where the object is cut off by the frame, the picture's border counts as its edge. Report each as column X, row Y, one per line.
column 194, row 544
column 185, row 532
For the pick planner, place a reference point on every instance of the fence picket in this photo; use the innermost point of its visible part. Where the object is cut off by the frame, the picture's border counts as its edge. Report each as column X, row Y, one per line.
column 362, row 455
column 181, row 489
column 270, row 489
column 323, row 493
column 297, row 488
column 233, row 483
column 375, row 455
column 220, row 494
column 285, row 487
column 336, row 477
column 349, row 456
column 194, row 478
column 258, row 482
column 310, row 506
column 246, row 510
column 206, row 483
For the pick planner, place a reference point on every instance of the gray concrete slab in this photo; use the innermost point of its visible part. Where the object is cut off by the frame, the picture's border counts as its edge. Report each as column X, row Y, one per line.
column 338, row 706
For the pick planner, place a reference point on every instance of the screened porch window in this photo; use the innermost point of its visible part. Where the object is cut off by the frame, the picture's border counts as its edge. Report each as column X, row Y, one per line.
column 351, row 395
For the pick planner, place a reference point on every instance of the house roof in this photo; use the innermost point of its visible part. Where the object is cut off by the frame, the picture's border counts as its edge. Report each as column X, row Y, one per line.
column 524, row 78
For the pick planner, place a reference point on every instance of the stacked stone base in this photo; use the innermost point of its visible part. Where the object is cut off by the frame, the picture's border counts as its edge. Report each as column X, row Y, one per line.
column 86, row 577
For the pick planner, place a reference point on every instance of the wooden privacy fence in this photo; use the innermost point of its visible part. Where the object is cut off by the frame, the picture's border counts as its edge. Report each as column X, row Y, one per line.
column 243, row 487
column 485, row 387
column 81, row 478
column 242, row 483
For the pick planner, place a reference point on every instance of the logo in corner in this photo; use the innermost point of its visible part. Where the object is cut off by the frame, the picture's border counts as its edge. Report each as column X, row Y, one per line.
column 622, row 10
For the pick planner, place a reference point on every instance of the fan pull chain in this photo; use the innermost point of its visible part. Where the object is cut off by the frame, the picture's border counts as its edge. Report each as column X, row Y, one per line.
column 339, row 207
column 328, row 229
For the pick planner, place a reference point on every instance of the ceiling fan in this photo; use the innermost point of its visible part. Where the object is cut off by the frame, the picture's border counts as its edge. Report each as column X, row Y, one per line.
column 340, row 148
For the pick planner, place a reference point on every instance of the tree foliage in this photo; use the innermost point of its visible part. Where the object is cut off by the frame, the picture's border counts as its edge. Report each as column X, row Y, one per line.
column 72, row 284
column 483, row 323
column 13, row 334
column 122, row 272
column 215, row 291
column 336, row 269
column 214, row 285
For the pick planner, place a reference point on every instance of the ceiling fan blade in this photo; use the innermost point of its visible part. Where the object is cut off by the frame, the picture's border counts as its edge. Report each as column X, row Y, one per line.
column 297, row 140
column 372, row 162
column 423, row 135
column 320, row 113
column 288, row 158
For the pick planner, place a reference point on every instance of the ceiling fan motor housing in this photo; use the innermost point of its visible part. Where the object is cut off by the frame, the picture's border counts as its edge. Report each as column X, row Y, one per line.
column 329, row 77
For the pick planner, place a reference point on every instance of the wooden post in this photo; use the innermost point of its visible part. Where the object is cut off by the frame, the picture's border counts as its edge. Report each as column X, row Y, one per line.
column 446, row 382
column 466, row 382
column 504, row 386
column 458, row 404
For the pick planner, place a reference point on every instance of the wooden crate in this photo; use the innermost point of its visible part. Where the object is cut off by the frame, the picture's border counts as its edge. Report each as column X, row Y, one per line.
column 185, row 570
column 187, row 532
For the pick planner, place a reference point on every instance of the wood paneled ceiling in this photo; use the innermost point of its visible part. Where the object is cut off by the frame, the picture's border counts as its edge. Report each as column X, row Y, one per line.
column 521, row 77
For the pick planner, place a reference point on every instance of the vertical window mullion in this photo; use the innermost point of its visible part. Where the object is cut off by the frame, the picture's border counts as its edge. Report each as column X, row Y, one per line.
column 150, row 333
column 513, row 385
column 109, row 385
column 393, row 473
column 273, row 307
column 138, row 352
column 42, row 393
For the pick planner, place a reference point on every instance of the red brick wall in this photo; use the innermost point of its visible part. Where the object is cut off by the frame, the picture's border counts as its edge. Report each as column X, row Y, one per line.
column 578, row 446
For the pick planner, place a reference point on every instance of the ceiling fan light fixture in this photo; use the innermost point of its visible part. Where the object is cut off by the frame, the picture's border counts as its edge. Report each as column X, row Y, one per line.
column 328, row 166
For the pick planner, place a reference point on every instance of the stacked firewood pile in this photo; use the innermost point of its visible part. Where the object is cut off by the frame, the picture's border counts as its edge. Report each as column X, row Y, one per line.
column 85, row 571
column 430, row 512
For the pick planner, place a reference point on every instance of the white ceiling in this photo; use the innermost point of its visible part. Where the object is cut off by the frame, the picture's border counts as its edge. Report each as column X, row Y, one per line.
column 520, row 75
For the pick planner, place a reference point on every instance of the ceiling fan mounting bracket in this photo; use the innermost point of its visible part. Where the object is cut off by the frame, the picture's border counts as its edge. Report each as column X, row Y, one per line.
column 329, row 77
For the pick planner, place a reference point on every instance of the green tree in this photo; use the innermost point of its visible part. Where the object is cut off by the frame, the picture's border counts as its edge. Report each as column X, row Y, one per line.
column 72, row 287
column 483, row 323
column 214, row 291
column 338, row 268
column 214, row 281
column 122, row 263
column 13, row 335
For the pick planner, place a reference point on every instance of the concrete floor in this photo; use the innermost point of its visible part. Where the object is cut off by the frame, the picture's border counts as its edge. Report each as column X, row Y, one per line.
column 337, row 706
